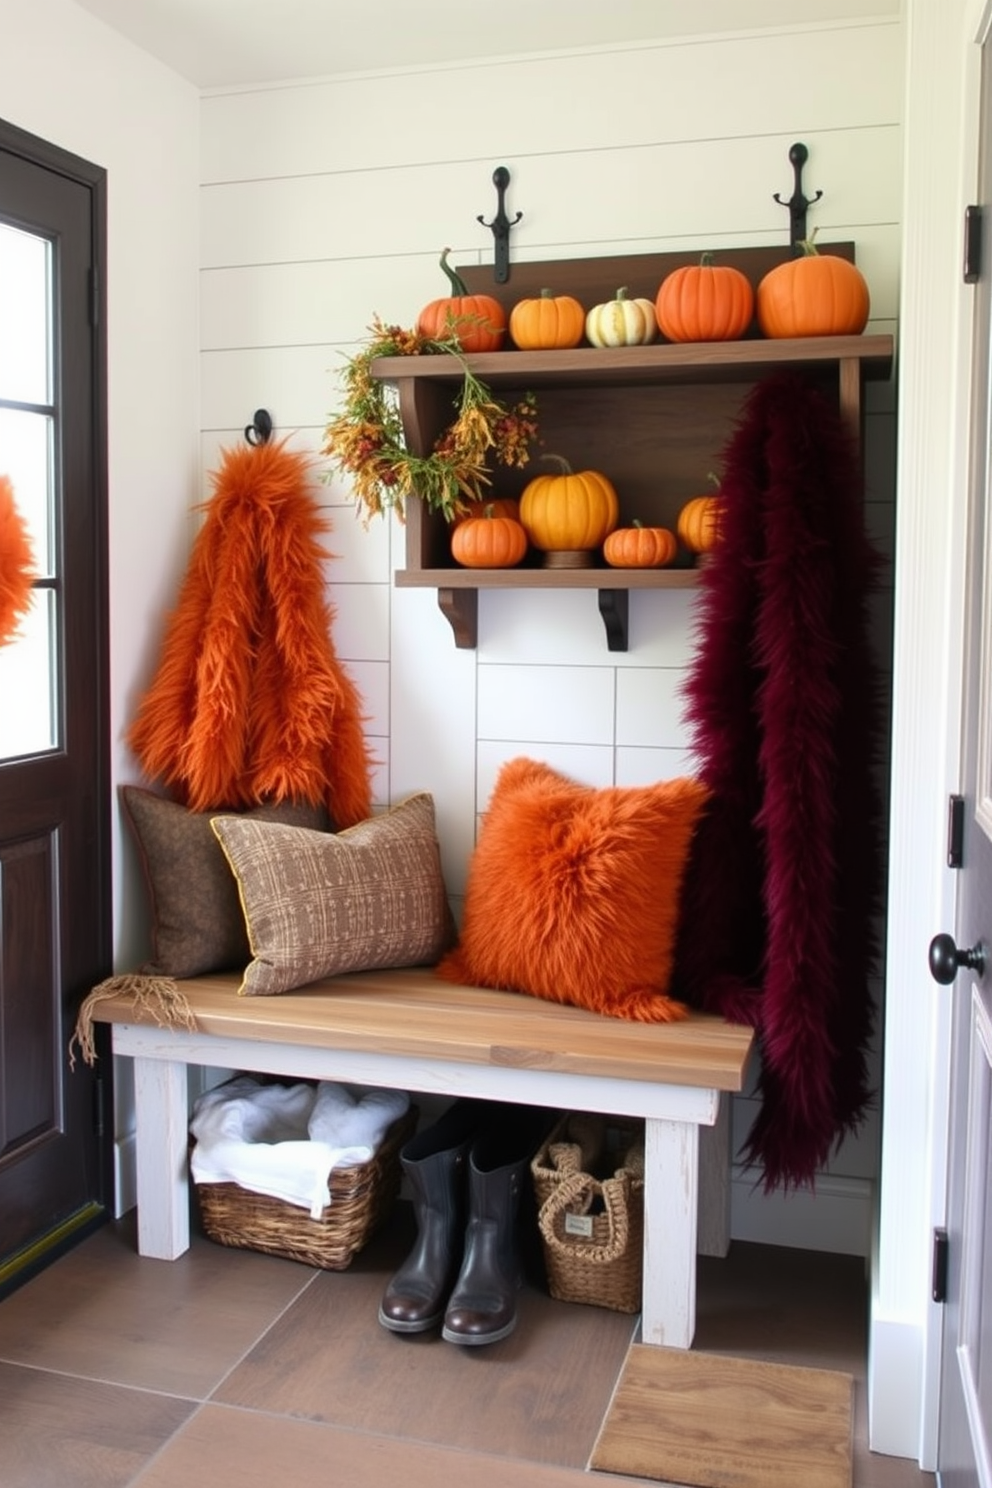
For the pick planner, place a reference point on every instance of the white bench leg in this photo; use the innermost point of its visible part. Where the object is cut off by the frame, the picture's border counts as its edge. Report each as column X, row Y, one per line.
column 161, row 1136
column 671, row 1183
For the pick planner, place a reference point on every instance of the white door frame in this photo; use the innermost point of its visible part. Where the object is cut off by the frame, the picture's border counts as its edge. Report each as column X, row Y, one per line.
column 940, row 151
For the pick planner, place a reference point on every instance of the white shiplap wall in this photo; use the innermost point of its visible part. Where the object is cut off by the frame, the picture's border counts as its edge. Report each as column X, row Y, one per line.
column 326, row 202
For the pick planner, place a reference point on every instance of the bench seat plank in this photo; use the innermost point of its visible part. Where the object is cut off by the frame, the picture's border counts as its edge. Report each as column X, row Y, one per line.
column 413, row 1013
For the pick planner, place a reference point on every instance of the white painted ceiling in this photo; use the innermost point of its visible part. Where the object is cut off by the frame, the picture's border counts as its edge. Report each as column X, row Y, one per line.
column 225, row 43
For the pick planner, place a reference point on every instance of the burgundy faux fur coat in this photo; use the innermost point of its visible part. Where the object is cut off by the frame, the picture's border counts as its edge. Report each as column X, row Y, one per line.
column 777, row 925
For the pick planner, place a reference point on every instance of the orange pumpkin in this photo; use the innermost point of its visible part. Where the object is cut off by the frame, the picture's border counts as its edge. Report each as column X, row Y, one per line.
column 816, row 295
column 488, row 542
column 698, row 523
column 704, row 302
column 547, row 322
column 495, row 506
column 478, row 322
column 640, row 547
column 569, row 512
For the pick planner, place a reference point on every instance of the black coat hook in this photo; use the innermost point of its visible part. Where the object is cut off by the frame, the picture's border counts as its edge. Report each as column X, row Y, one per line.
column 259, row 431
column 798, row 203
column 501, row 225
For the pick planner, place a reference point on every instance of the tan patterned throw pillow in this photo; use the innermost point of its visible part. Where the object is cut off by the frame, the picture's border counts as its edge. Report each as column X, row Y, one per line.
column 318, row 904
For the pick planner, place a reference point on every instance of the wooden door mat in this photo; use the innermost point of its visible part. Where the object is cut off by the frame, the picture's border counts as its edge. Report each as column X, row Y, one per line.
column 719, row 1422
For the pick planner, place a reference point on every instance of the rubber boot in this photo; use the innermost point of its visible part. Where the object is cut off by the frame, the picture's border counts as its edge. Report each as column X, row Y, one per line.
column 434, row 1164
column 483, row 1306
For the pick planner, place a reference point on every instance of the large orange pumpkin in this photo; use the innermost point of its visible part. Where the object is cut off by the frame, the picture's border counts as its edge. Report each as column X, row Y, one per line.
column 572, row 511
column 478, row 322
column 640, row 547
column 704, row 302
column 818, row 294
column 547, row 322
column 488, row 542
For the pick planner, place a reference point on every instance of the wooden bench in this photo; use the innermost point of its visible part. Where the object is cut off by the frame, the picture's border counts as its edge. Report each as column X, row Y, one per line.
column 409, row 1030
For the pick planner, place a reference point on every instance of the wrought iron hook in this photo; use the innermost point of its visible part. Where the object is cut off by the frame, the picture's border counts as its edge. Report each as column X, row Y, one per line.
column 797, row 203
column 501, row 225
column 259, row 431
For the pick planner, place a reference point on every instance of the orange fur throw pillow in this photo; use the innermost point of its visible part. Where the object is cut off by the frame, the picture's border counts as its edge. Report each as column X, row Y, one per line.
column 573, row 893
column 16, row 564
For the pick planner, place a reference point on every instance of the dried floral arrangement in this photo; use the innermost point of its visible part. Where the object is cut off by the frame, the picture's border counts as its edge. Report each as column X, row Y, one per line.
column 365, row 439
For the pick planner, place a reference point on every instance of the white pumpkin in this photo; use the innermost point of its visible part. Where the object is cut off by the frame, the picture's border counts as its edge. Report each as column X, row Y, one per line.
column 622, row 322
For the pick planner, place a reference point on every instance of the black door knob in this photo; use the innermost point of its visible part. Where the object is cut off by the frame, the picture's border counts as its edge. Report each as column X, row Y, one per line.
column 946, row 960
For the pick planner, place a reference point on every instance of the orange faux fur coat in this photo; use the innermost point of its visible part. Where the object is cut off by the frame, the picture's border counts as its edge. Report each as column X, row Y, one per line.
column 249, row 703
column 16, row 564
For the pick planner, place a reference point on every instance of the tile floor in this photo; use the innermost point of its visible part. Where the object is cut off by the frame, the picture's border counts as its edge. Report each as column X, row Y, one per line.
column 231, row 1369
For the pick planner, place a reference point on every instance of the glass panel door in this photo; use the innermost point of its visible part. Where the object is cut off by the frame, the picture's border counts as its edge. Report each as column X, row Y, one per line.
column 29, row 692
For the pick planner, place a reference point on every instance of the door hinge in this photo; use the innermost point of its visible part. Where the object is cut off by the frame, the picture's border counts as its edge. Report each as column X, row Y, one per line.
column 938, row 1279
column 955, row 831
column 972, row 244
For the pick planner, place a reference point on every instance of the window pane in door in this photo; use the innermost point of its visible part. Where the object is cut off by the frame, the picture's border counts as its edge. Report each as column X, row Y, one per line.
column 25, row 317
column 26, row 458
column 28, row 717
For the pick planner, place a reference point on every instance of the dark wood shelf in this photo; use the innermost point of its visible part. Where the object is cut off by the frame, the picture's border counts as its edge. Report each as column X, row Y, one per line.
column 654, row 418
column 654, row 365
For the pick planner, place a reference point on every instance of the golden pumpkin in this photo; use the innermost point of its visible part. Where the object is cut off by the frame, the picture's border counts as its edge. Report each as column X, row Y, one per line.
column 698, row 524
column 572, row 511
column 548, row 322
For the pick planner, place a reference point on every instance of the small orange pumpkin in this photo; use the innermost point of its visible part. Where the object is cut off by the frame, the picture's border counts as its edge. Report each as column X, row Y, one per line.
column 550, row 321
column 816, row 295
column 478, row 322
column 488, row 542
column 640, row 547
column 698, row 524
column 495, row 506
column 572, row 511
column 704, row 302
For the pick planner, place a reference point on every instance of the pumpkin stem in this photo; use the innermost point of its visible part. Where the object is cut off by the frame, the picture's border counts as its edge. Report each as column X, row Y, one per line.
column 622, row 293
column 706, row 260
column 808, row 245
column 566, row 469
column 455, row 279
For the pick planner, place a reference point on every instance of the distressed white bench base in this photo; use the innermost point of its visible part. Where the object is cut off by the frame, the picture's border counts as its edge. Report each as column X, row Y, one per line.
column 340, row 1029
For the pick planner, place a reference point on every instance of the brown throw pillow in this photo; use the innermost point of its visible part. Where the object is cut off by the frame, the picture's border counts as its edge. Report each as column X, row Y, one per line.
column 573, row 893
column 317, row 904
column 197, row 924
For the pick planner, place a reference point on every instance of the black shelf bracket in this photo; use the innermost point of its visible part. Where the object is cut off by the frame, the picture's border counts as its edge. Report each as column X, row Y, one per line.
column 614, row 606
column 501, row 225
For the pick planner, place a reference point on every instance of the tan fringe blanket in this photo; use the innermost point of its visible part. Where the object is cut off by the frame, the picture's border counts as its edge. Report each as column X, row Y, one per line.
column 158, row 995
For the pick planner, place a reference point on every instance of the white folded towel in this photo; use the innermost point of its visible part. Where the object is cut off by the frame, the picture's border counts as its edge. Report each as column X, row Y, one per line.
column 261, row 1136
column 350, row 1119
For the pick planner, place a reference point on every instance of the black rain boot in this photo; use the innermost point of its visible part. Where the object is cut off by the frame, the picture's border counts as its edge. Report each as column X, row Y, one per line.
column 434, row 1163
column 483, row 1306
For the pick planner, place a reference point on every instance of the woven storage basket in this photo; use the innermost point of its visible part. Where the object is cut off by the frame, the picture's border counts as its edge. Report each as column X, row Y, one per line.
column 589, row 1184
column 361, row 1197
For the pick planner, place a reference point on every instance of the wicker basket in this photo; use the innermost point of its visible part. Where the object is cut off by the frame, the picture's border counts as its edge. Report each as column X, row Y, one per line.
column 361, row 1198
column 589, row 1184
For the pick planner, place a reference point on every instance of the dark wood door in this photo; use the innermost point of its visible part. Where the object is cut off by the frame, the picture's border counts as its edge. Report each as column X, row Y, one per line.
column 54, row 791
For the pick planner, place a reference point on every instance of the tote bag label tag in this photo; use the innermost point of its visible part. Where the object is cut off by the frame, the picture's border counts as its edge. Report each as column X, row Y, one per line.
column 579, row 1224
